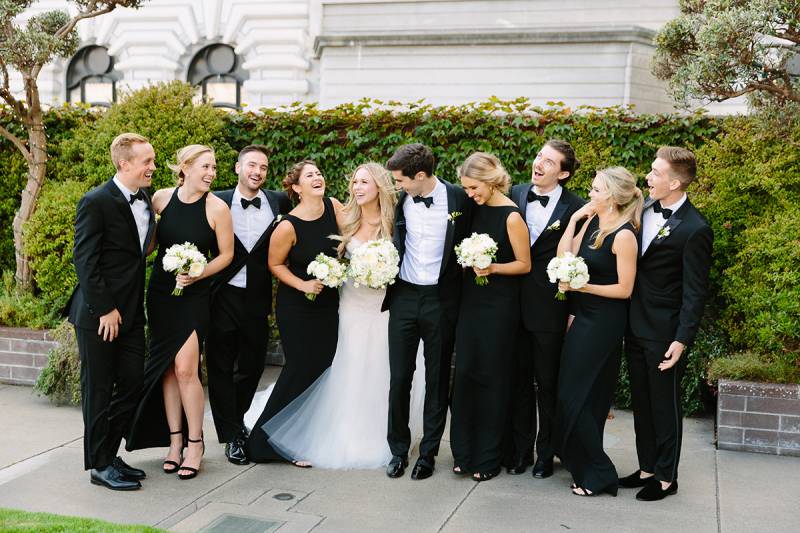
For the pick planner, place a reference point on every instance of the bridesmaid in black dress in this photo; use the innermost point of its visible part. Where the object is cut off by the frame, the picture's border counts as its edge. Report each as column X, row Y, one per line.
column 487, row 322
column 171, row 410
column 308, row 329
column 591, row 354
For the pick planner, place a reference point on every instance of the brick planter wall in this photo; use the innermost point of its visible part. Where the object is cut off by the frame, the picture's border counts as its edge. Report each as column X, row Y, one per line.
column 23, row 354
column 758, row 417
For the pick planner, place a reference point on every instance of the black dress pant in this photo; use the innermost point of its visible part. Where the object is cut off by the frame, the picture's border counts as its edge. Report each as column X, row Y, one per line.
column 111, row 387
column 657, row 411
column 235, row 352
column 417, row 312
column 537, row 359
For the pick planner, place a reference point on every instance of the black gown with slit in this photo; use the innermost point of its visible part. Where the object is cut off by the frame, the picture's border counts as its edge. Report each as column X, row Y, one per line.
column 172, row 319
column 485, row 335
column 590, row 360
column 308, row 329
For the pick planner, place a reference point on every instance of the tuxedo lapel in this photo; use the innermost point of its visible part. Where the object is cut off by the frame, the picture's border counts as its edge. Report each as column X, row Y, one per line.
column 448, row 238
column 558, row 212
column 522, row 201
column 399, row 233
column 151, row 225
column 670, row 225
column 273, row 204
column 125, row 209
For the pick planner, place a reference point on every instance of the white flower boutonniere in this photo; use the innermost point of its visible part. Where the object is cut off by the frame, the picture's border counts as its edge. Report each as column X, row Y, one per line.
column 278, row 219
column 663, row 232
column 158, row 217
column 555, row 226
column 453, row 216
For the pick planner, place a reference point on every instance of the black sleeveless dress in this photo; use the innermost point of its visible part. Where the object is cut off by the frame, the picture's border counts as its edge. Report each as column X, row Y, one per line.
column 172, row 319
column 308, row 329
column 590, row 361
column 487, row 323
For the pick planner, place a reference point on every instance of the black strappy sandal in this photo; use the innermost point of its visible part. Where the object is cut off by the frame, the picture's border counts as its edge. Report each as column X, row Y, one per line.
column 174, row 467
column 457, row 470
column 192, row 471
column 589, row 494
column 483, row 476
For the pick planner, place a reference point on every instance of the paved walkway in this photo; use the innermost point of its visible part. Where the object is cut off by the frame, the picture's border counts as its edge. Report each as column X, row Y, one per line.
column 41, row 470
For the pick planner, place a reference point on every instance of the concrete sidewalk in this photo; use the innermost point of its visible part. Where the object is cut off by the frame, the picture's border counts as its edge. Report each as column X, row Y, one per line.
column 41, row 469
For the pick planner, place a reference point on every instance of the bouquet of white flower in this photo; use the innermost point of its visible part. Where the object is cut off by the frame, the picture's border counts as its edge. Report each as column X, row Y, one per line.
column 183, row 259
column 330, row 271
column 477, row 251
column 374, row 264
column 569, row 269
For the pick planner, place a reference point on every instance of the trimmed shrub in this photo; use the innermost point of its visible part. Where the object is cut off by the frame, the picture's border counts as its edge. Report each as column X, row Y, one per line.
column 60, row 380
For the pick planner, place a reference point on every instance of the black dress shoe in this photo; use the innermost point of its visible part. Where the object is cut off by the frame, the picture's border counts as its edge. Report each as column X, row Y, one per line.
column 235, row 453
column 543, row 468
column 397, row 466
column 127, row 471
column 424, row 468
column 519, row 467
column 112, row 478
column 653, row 492
column 634, row 481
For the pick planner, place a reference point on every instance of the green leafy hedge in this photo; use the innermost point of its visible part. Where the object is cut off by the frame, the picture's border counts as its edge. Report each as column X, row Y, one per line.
column 748, row 188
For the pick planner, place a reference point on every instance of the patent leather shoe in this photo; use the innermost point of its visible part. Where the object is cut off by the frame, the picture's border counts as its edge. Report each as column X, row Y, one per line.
column 423, row 469
column 519, row 467
column 235, row 453
column 397, row 466
column 543, row 468
column 127, row 471
column 111, row 478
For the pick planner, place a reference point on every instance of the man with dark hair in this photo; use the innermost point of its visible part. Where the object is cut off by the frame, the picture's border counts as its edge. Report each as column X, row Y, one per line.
column 242, row 301
column 113, row 230
column 432, row 217
column 546, row 207
column 667, row 303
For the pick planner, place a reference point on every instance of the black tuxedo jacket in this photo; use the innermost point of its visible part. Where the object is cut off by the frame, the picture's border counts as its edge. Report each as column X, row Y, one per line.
column 457, row 230
column 672, row 279
column 108, row 259
column 259, row 278
column 540, row 309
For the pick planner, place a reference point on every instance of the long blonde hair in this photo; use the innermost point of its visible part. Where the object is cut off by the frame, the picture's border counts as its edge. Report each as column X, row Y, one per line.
column 626, row 198
column 186, row 156
column 387, row 199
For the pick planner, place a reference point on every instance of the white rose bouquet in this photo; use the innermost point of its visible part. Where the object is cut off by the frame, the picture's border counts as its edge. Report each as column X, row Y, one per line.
column 183, row 259
column 477, row 251
column 568, row 269
column 374, row 264
column 330, row 271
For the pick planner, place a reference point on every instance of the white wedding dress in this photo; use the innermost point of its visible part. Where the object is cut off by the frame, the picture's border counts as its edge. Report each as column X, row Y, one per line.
column 341, row 420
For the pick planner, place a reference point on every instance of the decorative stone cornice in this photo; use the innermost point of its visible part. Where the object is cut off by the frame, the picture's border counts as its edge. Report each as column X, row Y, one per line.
column 576, row 34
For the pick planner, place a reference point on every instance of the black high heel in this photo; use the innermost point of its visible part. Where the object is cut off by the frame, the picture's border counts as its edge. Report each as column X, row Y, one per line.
column 484, row 476
column 192, row 471
column 174, row 467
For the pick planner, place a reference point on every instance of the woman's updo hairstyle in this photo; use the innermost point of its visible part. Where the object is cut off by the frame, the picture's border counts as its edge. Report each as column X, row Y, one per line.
column 293, row 178
column 486, row 168
column 185, row 157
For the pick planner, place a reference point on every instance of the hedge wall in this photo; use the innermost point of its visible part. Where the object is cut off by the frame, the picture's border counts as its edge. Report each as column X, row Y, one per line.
column 749, row 179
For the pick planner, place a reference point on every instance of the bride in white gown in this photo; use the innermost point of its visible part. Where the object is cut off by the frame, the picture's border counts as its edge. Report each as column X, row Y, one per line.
column 340, row 421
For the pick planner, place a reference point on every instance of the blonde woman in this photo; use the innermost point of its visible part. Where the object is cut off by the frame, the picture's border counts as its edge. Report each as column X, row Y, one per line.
column 171, row 410
column 591, row 354
column 487, row 323
column 340, row 420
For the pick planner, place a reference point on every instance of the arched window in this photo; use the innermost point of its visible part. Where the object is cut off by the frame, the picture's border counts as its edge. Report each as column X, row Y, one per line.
column 91, row 77
column 217, row 70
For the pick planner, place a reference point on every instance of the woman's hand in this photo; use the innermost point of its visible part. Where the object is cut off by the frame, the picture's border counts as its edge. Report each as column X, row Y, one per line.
column 563, row 286
column 587, row 211
column 184, row 280
column 312, row 286
column 483, row 272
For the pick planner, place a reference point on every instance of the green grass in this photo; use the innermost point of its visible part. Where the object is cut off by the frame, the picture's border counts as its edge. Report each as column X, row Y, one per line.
column 12, row 520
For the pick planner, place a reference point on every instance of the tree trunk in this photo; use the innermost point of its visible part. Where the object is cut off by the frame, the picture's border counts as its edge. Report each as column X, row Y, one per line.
column 37, row 167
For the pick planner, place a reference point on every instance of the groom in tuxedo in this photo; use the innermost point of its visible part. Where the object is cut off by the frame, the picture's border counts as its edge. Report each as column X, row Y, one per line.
column 546, row 207
column 242, row 301
column 432, row 216
column 675, row 245
column 113, row 229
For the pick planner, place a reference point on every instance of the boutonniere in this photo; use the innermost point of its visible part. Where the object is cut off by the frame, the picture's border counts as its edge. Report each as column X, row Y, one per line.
column 453, row 216
column 663, row 232
column 278, row 219
column 555, row 226
column 158, row 217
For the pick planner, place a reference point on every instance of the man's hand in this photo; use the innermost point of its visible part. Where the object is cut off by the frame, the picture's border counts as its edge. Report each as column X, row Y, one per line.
column 672, row 356
column 109, row 325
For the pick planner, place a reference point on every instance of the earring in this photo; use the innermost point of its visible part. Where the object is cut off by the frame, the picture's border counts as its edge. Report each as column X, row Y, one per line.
column 610, row 209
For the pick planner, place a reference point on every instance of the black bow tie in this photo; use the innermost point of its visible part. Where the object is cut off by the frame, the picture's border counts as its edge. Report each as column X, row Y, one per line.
column 255, row 202
column 532, row 197
column 428, row 201
column 138, row 196
column 666, row 213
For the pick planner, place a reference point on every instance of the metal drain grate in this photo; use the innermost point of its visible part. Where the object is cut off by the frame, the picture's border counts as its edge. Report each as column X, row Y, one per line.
column 230, row 523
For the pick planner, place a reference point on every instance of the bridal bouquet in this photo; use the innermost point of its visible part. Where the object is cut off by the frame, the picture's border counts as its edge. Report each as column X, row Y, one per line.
column 477, row 251
column 569, row 269
column 183, row 259
column 374, row 264
column 328, row 270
